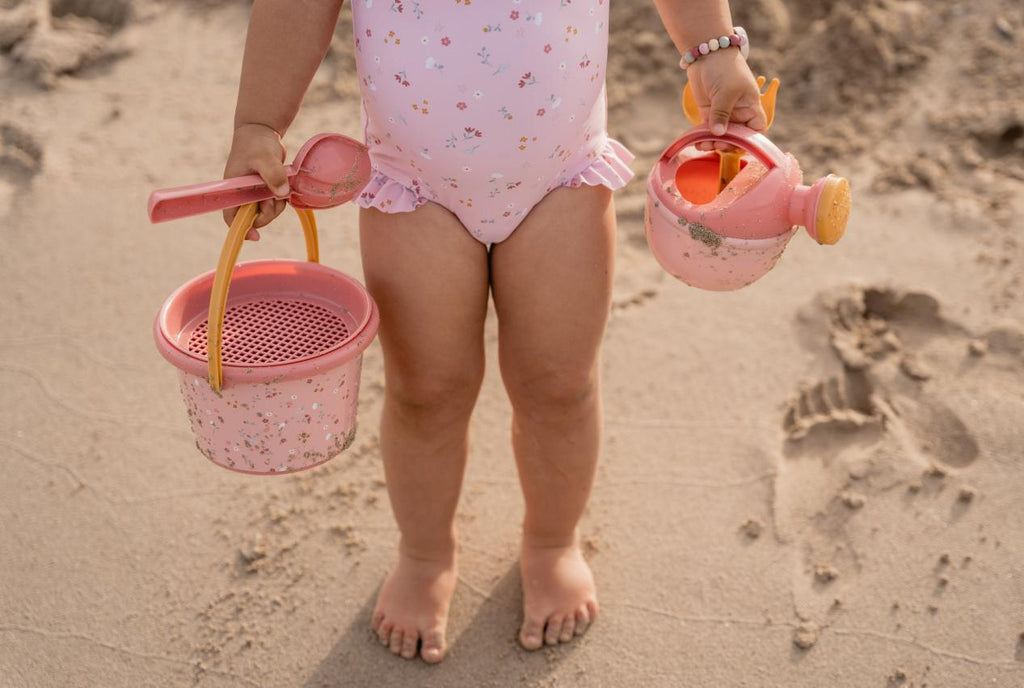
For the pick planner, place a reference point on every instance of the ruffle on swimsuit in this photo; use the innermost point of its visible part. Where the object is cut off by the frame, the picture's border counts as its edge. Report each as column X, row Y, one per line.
column 609, row 168
column 384, row 193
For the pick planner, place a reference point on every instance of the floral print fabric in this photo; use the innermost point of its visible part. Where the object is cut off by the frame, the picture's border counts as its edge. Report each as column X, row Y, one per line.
column 484, row 106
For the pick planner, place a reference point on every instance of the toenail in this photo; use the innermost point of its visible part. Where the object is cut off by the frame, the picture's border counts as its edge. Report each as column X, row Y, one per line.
column 532, row 641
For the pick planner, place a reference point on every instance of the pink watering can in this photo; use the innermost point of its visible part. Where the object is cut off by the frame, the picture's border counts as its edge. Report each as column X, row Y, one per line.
column 720, row 221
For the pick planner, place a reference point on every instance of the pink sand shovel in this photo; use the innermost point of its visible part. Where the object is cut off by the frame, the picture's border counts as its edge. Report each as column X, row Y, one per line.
column 329, row 169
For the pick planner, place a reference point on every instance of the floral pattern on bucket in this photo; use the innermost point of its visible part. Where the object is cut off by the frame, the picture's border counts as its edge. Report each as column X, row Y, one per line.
column 276, row 426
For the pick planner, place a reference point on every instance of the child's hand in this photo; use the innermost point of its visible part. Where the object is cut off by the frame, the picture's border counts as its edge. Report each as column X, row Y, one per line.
column 726, row 91
column 258, row 148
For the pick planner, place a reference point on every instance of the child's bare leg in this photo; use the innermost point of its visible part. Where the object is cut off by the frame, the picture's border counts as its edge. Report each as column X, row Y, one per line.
column 552, row 288
column 429, row 278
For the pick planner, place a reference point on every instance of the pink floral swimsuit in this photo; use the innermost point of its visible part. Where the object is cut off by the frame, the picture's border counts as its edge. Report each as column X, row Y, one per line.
column 484, row 106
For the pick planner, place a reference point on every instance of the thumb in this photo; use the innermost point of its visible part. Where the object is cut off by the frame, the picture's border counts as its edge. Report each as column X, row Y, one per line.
column 721, row 110
column 275, row 176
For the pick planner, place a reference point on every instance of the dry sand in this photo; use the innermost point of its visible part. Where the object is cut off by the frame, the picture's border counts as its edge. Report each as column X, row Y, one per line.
column 815, row 481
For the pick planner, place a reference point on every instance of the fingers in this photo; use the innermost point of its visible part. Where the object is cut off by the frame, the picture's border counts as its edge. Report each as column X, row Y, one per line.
column 274, row 174
column 717, row 146
column 758, row 120
column 276, row 177
column 722, row 103
column 267, row 211
column 726, row 91
column 258, row 149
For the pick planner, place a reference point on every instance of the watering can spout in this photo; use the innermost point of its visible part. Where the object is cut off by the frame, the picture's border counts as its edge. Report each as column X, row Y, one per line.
column 801, row 208
column 822, row 208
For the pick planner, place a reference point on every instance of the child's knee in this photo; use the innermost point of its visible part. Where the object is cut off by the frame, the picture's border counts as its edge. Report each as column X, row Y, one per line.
column 451, row 393
column 555, row 393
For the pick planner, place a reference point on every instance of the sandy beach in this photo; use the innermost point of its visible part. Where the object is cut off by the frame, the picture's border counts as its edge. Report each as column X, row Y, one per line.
column 816, row 481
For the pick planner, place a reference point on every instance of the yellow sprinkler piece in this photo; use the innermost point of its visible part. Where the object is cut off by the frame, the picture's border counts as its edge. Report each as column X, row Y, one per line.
column 690, row 108
column 768, row 99
column 833, row 210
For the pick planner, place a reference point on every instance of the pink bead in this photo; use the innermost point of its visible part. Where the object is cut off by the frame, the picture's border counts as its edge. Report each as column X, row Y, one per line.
column 704, row 49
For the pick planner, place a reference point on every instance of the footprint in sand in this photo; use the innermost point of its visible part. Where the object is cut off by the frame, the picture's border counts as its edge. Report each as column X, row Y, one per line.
column 891, row 346
column 893, row 417
column 50, row 38
column 21, row 158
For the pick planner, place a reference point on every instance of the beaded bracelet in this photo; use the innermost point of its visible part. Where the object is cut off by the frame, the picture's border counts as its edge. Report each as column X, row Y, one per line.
column 737, row 39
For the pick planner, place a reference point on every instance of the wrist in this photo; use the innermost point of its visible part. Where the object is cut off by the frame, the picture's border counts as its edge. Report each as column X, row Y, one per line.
column 257, row 127
column 716, row 59
column 735, row 42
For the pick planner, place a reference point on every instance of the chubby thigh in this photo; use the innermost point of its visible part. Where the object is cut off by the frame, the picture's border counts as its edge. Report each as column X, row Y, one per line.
column 552, row 285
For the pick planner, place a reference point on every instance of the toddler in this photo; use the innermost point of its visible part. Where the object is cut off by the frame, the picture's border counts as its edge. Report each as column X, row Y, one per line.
column 492, row 175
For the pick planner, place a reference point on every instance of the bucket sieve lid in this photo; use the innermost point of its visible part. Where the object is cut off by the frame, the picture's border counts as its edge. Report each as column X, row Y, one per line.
column 273, row 331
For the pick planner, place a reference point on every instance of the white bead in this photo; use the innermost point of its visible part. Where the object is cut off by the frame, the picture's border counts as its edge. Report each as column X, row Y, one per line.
column 713, row 44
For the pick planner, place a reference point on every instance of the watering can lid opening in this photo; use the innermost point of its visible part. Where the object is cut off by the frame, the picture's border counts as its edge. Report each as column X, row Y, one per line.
column 700, row 182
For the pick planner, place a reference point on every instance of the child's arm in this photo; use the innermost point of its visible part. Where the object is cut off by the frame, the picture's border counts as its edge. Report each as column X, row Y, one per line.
column 722, row 83
column 287, row 40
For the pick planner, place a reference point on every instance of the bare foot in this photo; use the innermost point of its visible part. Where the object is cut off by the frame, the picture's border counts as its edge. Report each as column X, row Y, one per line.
column 412, row 608
column 559, row 596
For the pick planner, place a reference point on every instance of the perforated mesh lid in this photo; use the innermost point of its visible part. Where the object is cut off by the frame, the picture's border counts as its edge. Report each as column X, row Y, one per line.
column 273, row 331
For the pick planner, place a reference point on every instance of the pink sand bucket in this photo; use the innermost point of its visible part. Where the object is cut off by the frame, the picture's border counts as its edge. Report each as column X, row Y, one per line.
column 720, row 221
column 270, row 376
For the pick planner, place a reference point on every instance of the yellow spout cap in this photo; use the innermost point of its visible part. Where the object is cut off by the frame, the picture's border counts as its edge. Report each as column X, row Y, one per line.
column 833, row 210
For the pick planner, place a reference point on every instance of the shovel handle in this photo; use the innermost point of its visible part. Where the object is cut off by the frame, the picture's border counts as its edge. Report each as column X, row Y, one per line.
column 196, row 199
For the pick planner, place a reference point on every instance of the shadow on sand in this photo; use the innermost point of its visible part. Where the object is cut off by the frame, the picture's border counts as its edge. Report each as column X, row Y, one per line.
column 484, row 653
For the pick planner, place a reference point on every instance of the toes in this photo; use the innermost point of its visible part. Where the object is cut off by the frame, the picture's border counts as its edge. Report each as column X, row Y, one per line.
column 568, row 629
column 384, row 632
column 553, row 630
column 395, row 644
column 530, row 636
column 433, row 647
column 409, row 645
column 378, row 619
column 582, row 621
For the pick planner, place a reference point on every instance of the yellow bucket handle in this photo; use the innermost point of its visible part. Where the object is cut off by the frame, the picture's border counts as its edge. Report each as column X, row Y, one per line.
column 240, row 226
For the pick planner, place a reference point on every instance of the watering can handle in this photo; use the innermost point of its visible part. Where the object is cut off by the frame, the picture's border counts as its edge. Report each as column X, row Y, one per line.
column 757, row 144
column 240, row 226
